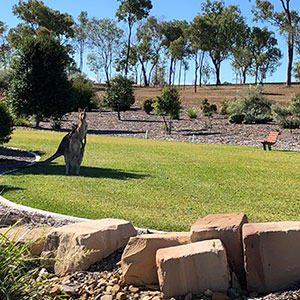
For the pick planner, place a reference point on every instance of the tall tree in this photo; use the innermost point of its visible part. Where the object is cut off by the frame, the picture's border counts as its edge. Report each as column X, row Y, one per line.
column 105, row 41
column 265, row 54
column 80, row 35
column 36, row 15
column 219, row 30
column 173, row 37
column 287, row 21
column 131, row 11
column 39, row 85
column 4, row 47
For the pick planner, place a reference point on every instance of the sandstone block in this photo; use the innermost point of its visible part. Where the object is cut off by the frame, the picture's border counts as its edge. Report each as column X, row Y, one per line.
column 76, row 246
column 138, row 259
column 272, row 260
column 35, row 237
column 227, row 228
column 193, row 268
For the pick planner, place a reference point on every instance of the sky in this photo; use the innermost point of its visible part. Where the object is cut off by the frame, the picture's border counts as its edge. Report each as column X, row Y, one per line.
column 162, row 9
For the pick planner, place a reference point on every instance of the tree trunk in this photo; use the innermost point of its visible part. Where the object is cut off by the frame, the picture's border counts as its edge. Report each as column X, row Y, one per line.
column 196, row 72
column 144, row 73
column 290, row 59
column 171, row 71
column 218, row 82
column 119, row 116
column 201, row 62
column 128, row 48
column 180, row 67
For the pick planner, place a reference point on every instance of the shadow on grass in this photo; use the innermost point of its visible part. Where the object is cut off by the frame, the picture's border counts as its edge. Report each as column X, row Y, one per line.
column 7, row 188
column 90, row 172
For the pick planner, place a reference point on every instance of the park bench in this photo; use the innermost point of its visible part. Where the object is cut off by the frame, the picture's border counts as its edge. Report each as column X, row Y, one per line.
column 271, row 140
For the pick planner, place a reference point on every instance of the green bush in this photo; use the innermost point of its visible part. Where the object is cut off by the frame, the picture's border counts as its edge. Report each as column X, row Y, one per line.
column 208, row 109
column 224, row 107
column 6, row 123
column 4, row 80
column 147, row 105
column 288, row 116
column 192, row 113
column 168, row 106
column 119, row 94
column 83, row 92
column 251, row 106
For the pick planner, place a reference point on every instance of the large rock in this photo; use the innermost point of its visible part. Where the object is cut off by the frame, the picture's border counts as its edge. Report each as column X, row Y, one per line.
column 227, row 228
column 75, row 247
column 34, row 237
column 138, row 259
column 272, row 260
column 193, row 268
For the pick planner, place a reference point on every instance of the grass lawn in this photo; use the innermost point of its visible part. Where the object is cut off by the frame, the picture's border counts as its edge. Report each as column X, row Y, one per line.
column 157, row 184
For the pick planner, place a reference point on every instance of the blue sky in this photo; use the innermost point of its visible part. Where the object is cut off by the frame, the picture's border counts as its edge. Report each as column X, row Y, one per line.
column 163, row 9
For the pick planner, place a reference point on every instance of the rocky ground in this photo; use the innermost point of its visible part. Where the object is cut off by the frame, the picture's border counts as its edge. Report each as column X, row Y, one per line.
column 102, row 281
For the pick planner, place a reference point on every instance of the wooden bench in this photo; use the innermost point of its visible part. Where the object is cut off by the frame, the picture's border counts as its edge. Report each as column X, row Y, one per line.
column 271, row 140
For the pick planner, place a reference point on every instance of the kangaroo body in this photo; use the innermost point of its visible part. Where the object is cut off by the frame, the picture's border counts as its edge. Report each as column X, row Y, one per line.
column 72, row 145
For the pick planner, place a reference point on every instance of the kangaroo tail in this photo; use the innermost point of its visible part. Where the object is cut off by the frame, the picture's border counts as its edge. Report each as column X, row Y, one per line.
column 54, row 156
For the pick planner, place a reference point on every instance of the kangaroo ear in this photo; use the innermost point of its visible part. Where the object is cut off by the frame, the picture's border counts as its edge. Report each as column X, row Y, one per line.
column 86, row 109
column 79, row 109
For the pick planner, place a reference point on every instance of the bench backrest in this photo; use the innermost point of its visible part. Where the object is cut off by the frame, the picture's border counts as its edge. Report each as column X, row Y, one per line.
column 272, row 137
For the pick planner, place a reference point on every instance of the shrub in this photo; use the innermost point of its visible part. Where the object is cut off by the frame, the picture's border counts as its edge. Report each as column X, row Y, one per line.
column 192, row 113
column 4, row 80
column 251, row 106
column 207, row 108
column 6, row 123
column 288, row 116
column 119, row 94
column 147, row 105
column 83, row 92
column 224, row 107
column 168, row 106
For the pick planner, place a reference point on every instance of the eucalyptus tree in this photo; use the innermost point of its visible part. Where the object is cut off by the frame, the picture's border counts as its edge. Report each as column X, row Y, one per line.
column 174, row 41
column 81, row 36
column 266, row 56
column 131, row 11
column 219, row 30
column 5, row 49
column 105, row 41
column 37, row 16
column 287, row 21
column 149, row 38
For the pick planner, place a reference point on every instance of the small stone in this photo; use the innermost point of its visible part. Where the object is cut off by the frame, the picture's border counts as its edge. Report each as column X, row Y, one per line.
column 121, row 296
column 133, row 289
column 102, row 282
column 107, row 297
column 156, row 298
column 115, row 289
column 109, row 288
column 219, row 296
column 114, row 281
column 189, row 296
column 84, row 297
column 146, row 297
column 208, row 293
column 55, row 290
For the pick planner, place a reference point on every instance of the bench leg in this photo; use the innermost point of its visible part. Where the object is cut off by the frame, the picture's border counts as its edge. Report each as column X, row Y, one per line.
column 269, row 146
column 264, row 145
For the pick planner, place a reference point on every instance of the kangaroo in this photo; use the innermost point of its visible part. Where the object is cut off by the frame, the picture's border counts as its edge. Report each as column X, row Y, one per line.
column 73, row 144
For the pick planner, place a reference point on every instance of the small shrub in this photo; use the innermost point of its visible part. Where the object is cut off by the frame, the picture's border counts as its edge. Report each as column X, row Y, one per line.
column 168, row 106
column 224, row 107
column 21, row 121
column 208, row 109
column 192, row 113
column 6, row 123
column 147, row 105
column 55, row 122
column 119, row 94
column 251, row 106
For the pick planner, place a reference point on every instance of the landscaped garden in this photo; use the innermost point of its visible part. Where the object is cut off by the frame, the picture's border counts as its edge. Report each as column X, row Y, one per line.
column 157, row 184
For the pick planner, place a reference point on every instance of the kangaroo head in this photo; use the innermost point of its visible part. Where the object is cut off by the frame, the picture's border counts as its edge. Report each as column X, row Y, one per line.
column 82, row 114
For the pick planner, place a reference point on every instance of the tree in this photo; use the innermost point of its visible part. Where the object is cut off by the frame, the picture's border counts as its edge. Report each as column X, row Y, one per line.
column 174, row 41
column 36, row 15
column 119, row 94
column 265, row 54
column 287, row 21
column 80, row 35
column 131, row 11
column 219, row 30
column 104, row 38
column 168, row 106
column 5, row 50
column 148, row 48
column 6, row 124
column 39, row 84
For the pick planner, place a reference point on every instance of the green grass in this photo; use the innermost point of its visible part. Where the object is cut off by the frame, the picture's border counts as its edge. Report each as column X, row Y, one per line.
column 158, row 184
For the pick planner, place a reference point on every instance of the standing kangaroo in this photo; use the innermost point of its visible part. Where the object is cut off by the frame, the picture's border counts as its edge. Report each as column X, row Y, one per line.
column 73, row 144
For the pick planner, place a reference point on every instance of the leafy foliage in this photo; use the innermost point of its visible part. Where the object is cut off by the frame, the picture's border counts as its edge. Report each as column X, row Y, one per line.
column 192, row 113
column 207, row 108
column 39, row 84
column 251, row 106
column 6, row 124
column 147, row 105
column 288, row 116
column 168, row 106
column 119, row 94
